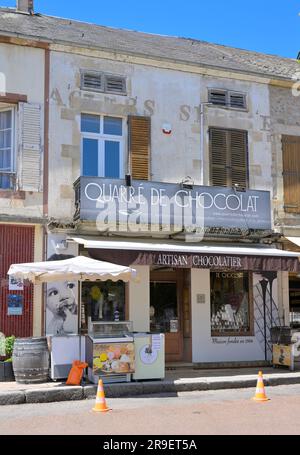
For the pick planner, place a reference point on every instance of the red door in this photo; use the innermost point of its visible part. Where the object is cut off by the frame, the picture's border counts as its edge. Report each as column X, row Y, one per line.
column 16, row 247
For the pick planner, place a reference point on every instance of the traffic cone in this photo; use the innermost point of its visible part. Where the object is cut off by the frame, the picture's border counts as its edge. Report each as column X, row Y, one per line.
column 260, row 394
column 100, row 405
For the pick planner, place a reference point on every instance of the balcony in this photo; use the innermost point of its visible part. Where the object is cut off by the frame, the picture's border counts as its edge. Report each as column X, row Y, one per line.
column 169, row 208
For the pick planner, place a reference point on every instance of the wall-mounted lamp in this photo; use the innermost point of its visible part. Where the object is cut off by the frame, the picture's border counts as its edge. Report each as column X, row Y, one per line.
column 239, row 188
column 187, row 183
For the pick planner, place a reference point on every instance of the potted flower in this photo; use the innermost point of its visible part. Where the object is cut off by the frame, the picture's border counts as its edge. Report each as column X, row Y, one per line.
column 6, row 369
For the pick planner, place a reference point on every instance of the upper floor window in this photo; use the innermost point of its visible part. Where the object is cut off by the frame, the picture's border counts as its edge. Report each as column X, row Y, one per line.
column 102, row 146
column 96, row 81
column 228, row 157
column 6, row 148
column 227, row 98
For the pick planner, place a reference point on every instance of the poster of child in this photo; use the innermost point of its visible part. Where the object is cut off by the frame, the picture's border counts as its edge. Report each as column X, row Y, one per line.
column 61, row 305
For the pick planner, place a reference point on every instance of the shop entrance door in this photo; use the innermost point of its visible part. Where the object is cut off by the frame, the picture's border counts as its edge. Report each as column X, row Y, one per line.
column 165, row 311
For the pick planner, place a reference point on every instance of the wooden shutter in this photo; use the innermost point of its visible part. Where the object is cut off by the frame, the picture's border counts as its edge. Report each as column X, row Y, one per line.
column 139, row 146
column 30, row 147
column 238, row 150
column 218, row 157
column 228, row 157
column 291, row 173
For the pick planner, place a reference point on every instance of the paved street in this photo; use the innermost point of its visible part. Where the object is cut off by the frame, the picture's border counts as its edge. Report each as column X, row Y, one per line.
column 210, row 412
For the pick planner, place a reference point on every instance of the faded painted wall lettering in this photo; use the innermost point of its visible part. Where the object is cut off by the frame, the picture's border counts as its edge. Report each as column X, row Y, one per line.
column 186, row 112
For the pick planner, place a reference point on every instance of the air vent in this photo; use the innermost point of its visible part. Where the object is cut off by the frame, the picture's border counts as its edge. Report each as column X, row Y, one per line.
column 217, row 97
column 115, row 84
column 101, row 82
column 227, row 98
column 92, row 80
column 238, row 100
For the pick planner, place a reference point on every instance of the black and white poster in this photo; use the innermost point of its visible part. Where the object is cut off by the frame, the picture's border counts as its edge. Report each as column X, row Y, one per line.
column 61, row 299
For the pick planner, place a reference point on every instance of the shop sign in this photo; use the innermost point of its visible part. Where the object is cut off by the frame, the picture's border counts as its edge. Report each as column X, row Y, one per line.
column 282, row 355
column 156, row 206
column 173, row 325
column 198, row 260
column 217, row 262
column 232, row 340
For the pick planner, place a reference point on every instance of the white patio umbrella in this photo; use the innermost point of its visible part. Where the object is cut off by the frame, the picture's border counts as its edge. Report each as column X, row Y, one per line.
column 78, row 268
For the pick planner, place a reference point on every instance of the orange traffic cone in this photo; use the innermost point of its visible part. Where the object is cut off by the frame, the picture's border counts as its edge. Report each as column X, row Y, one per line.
column 100, row 405
column 260, row 394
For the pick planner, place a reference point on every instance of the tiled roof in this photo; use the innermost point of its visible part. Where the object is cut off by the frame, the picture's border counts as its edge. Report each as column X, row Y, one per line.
column 185, row 50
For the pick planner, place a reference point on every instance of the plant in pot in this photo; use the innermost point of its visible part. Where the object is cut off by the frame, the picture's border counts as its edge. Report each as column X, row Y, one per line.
column 6, row 369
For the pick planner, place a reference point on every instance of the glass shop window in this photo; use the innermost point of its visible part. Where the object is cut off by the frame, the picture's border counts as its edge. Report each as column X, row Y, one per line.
column 231, row 304
column 103, row 301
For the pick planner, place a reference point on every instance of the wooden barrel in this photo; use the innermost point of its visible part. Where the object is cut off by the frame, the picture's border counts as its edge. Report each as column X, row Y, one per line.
column 31, row 360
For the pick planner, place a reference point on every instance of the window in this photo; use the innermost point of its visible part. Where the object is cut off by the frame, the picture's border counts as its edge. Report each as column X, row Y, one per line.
column 102, row 301
column 228, row 157
column 231, row 304
column 102, row 146
column 227, row 98
column 6, row 148
column 96, row 81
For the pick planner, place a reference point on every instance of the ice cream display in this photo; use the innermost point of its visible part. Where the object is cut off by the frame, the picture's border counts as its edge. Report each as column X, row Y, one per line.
column 110, row 351
column 115, row 358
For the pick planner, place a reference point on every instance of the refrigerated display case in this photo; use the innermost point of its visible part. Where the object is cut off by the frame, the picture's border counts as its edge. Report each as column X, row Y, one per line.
column 149, row 356
column 110, row 352
column 63, row 351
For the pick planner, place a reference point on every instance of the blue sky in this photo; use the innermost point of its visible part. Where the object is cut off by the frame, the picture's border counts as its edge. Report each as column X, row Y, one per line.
column 269, row 26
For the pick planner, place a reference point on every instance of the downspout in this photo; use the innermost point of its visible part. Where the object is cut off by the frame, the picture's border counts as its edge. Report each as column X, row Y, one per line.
column 45, row 173
column 46, row 133
column 202, row 140
column 128, row 175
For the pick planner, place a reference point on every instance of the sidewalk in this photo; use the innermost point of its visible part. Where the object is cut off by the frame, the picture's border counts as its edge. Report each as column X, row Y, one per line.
column 177, row 380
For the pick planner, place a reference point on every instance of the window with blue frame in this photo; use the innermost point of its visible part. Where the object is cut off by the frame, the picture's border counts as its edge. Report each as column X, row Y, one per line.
column 6, row 148
column 102, row 146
